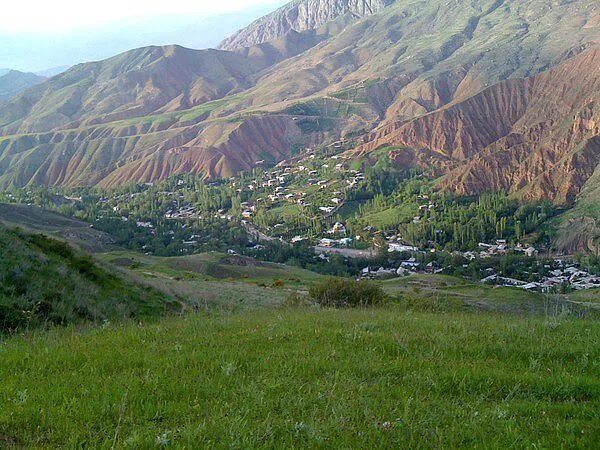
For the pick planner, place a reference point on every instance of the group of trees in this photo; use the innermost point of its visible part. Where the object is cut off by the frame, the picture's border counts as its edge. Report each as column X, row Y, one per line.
column 444, row 220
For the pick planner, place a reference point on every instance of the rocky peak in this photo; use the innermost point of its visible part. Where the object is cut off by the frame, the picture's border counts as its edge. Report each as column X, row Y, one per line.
column 300, row 15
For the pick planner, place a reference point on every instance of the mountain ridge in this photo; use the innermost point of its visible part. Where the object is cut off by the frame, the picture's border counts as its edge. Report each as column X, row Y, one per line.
column 298, row 16
column 13, row 82
column 153, row 112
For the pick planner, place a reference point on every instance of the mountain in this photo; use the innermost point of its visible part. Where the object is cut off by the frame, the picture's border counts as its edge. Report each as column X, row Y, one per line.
column 493, row 94
column 51, row 72
column 300, row 15
column 38, row 50
column 537, row 137
column 14, row 82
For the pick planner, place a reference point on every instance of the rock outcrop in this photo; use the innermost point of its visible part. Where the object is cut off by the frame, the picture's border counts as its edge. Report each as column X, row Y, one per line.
column 300, row 15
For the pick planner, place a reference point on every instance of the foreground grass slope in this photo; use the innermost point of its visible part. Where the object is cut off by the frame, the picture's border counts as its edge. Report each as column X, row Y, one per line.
column 382, row 378
column 45, row 282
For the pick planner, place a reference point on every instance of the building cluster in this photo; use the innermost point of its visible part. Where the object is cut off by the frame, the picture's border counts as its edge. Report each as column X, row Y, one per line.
column 564, row 275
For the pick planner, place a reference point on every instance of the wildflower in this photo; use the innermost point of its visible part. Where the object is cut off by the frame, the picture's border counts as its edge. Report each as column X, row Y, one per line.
column 162, row 440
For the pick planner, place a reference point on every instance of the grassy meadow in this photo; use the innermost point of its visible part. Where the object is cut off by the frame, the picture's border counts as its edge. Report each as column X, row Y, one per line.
column 306, row 378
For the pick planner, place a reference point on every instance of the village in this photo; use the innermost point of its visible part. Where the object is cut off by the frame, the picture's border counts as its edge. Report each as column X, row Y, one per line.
column 278, row 203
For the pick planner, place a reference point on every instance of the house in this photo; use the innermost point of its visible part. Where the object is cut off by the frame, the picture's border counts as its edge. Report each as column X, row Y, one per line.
column 338, row 228
column 410, row 264
column 144, row 225
column 326, row 242
column 531, row 252
column 345, row 242
column 392, row 247
column 402, row 271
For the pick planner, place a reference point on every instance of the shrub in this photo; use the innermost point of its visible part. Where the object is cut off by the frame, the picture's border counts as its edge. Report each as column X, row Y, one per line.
column 340, row 293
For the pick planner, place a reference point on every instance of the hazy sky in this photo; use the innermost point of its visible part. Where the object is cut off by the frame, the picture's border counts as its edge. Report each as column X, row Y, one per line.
column 36, row 35
column 75, row 15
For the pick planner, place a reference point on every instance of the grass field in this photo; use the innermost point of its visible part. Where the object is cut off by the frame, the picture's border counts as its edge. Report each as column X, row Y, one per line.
column 215, row 280
column 443, row 292
column 45, row 282
column 304, row 378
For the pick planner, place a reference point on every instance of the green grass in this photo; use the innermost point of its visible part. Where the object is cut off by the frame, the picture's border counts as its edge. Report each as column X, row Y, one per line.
column 299, row 378
column 441, row 292
column 215, row 281
column 388, row 217
column 45, row 282
column 587, row 296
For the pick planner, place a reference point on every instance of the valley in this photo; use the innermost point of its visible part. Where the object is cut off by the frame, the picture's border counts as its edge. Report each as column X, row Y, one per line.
column 353, row 224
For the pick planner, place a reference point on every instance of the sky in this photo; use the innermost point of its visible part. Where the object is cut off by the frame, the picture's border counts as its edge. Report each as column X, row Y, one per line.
column 36, row 35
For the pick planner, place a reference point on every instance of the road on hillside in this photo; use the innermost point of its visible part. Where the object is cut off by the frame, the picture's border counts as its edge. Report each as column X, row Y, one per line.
column 347, row 252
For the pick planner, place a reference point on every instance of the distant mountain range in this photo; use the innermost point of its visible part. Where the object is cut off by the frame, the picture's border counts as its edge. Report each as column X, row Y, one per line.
column 51, row 72
column 13, row 82
column 37, row 51
column 491, row 95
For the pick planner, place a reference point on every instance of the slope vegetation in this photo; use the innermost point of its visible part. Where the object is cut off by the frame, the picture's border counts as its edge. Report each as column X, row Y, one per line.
column 45, row 282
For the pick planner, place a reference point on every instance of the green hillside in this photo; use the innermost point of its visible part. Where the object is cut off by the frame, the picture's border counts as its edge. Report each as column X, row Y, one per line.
column 216, row 281
column 45, row 282
column 39, row 220
column 295, row 378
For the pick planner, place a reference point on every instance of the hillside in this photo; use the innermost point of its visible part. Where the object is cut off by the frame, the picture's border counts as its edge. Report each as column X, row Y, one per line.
column 336, row 69
column 579, row 228
column 45, row 282
column 537, row 137
column 137, row 83
column 37, row 220
column 14, row 82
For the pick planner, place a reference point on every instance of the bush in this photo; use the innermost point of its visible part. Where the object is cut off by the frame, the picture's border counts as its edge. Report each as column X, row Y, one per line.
column 340, row 293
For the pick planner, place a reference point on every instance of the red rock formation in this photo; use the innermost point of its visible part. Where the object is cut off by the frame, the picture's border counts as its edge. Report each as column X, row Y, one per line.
column 537, row 137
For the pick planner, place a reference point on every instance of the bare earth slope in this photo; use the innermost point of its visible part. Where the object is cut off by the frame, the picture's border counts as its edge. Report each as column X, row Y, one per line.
column 537, row 137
